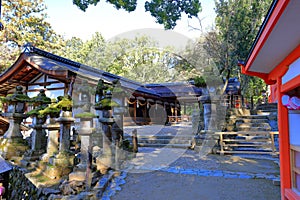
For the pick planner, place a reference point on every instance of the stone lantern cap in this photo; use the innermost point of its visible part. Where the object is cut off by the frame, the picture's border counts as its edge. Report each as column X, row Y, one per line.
column 41, row 98
column 40, row 102
column 17, row 96
column 107, row 103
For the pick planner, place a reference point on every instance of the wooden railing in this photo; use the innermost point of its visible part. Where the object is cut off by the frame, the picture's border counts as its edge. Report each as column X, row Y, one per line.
column 258, row 142
column 182, row 118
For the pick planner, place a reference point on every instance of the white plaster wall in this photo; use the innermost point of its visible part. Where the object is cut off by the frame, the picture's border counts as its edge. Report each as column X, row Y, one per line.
column 294, row 71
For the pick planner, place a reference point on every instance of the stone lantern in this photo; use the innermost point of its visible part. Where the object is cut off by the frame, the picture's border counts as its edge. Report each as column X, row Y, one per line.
column 210, row 110
column 119, row 97
column 212, row 121
column 83, row 170
column 13, row 143
column 104, row 107
column 119, row 109
column 52, row 127
column 63, row 162
column 38, row 135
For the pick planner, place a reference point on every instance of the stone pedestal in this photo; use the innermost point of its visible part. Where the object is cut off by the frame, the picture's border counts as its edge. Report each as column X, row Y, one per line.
column 82, row 170
column 196, row 125
column 104, row 161
column 64, row 160
column 14, row 130
column 61, row 165
column 52, row 142
column 210, row 111
column 65, row 129
column 38, row 140
column 13, row 143
column 38, row 136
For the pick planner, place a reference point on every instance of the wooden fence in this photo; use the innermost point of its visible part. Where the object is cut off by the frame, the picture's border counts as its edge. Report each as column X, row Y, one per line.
column 245, row 142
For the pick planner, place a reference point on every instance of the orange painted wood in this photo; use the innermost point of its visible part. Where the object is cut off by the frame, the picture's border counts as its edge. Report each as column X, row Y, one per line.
column 263, row 76
column 284, row 143
column 283, row 66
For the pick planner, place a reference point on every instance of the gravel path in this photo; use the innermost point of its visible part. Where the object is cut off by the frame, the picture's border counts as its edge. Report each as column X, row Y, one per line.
column 152, row 175
column 180, row 174
column 167, row 186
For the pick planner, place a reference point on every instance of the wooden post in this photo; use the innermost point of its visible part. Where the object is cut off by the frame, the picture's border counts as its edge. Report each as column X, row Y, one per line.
column 221, row 143
column 273, row 143
column 134, row 141
column 284, row 143
column 134, row 110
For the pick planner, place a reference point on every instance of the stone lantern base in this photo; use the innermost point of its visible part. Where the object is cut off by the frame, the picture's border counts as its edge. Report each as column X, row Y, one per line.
column 103, row 163
column 60, row 166
column 10, row 148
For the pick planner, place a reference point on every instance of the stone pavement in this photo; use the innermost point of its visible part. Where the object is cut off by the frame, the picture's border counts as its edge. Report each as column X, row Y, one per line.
column 185, row 174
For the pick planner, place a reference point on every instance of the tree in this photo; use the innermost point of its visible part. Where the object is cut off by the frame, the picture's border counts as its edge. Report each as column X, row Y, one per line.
column 165, row 12
column 139, row 59
column 24, row 21
column 237, row 23
column 72, row 49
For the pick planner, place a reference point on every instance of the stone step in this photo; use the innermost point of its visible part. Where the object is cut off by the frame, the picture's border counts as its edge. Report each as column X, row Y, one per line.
column 245, row 120
column 249, row 128
column 250, row 125
column 170, row 141
column 253, row 127
column 182, row 146
column 241, row 133
column 265, row 112
column 167, row 137
column 266, row 106
column 253, row 117
column 164, row 141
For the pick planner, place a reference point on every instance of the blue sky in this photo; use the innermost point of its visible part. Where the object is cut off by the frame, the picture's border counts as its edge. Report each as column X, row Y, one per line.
column 68, row 20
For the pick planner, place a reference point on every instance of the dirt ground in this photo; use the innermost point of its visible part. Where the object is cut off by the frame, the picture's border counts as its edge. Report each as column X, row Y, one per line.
column 167, row 186
column 162, row 184
column 161, row 174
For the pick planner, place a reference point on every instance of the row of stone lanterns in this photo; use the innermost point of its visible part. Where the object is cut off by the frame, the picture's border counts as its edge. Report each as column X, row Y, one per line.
column 56, row 149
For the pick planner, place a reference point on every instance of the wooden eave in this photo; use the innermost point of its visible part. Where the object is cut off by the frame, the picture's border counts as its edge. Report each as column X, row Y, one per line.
column 23, row 71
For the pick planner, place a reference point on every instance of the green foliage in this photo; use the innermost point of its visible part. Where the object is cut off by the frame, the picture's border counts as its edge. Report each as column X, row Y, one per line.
column 85, row 115
column 73, row 49
column 199, row 81
column 36, row 112
column 64, row 103
column 168, row 12
column 24, row 21
column 254, row 87
column 237, row 23
column 139, row 59
column 50, row 110
column 165, row 12
column 41, row 98
column 16, row 97
column 106, row 104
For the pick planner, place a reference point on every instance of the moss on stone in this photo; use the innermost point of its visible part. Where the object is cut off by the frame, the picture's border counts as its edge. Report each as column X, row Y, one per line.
column 85, row 115
column 64, row 103
column 106, row 103
column 50, row 110
column 16, row 97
